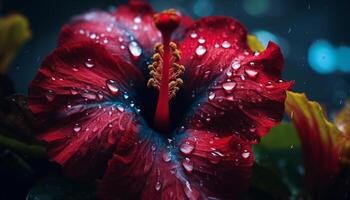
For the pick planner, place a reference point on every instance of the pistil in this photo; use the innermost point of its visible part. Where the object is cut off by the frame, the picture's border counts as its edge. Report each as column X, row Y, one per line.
column 165, row 70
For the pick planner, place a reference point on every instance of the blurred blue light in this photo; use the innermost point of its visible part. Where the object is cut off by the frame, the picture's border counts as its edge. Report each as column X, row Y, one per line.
column 265, row 36
column 322, row 57
column 256, row 7
column 203, row 8
column 343, row 57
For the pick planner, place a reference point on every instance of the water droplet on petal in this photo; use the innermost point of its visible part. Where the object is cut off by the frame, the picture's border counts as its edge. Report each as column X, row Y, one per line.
column 135, row 49
column 245, row 154
column 187, row 164
column 89, row 63
column 194, row 35
column 211, row 95
column 229, row 73
column 251, row 73
column 76, row 127
column 93, row 36
column 187, row 147
column 166, row 156
column 158, row 186
column 50, row 96
column 201, row 50
column 73, row 91
column 201, row 40
column 215, row 157
column 137, row 19
column 216, row 45
column 100, row 95
column 120, row 108
column 126, row 95
column 228, row 86
column 190, row 193
column 226, row 44
column 153, row 147
column 112, row 86
column 236, row 65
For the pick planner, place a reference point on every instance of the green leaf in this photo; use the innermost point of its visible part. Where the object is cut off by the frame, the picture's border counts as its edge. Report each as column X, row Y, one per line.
column 279, row 151
column 55, row 188
column 269, row 182
column 14, row 32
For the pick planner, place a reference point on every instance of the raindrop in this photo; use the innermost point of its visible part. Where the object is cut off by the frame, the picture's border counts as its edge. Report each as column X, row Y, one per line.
column 236, row 65
column 135, row 49
column 211, row 95
column 228, row 86
column 201, row 40
column 89, row 64
column 187, row 164
column 126, row 95
column 245, row 154
column 50, row 96
column 215, row 157
column 120, row 108
column 112, row 86
column 158, row 186
column 76, row 127
column 201, row 50
column 137, row 19
column 229, row 73
column 153, row 147
column 226, row 44
column 166, row 156
column 187, row 147
column 216, row 45
column 81, row 31
column 194, row 35
column 93, row 36
column 251, row 73
column 73, row 91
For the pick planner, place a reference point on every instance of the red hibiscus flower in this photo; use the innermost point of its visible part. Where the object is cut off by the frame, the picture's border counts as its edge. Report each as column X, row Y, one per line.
column 188, row 135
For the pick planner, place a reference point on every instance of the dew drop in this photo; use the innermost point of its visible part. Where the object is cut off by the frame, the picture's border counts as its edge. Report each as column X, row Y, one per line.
column 226, row 44
column 112, row 86
column 50, row 96
column 201, row 40
column 73, row 91
column 228, row 86
column 187, row 147
column 216, row 45
column 93, row 36
column 135, row 49
column 158, row 186
column 251, row 73
column 211, row 95
column 229, row 73
column 245, row 154
column 201, row 50
column 120, row 108
column 236, row 65
column 187, row 164
column 76, row 127
column 89, row 63
column 137, row 20
column 166, row 156
column 126, row 95
column 194, row 35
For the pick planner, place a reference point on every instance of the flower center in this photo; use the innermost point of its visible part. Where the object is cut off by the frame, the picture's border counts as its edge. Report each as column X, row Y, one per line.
column 165, row 71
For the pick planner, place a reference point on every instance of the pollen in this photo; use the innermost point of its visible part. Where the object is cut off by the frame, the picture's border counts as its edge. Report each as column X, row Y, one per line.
column 175, row 72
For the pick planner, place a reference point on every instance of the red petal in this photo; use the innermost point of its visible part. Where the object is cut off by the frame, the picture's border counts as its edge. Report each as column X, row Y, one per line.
column 150, row 169
column 74, row 85
column 209, row 47
column 138, row 17
column 246, row 99
column 102, row 28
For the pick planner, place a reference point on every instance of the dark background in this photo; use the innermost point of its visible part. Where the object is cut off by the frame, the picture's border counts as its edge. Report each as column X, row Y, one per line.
column 296, row 25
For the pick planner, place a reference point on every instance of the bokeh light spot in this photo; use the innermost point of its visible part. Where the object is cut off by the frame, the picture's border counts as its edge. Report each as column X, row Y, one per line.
column 256, row 7
column 265, row 36
column 322, row 57
column 343, row 58
column 203, row 8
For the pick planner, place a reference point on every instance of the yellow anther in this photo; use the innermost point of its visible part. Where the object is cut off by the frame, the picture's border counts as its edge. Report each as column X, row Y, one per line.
column 155, row 69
